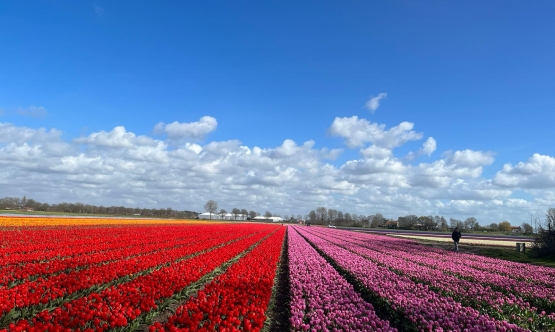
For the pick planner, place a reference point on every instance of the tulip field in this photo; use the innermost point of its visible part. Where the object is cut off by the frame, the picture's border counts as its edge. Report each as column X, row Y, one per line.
column 152, row 275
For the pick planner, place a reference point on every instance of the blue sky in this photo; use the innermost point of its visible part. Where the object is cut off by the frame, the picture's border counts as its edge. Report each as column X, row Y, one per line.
column 473, row 76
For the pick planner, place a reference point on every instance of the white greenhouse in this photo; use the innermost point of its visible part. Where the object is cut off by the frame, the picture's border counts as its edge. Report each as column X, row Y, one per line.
column 273, row 219
column 227, row 216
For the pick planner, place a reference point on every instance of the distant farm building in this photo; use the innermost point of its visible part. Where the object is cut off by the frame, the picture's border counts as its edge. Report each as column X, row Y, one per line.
column 516, row 229
column 227, row 216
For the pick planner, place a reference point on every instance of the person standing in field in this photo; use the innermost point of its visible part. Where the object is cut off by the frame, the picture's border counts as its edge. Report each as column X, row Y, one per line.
column 456, row 236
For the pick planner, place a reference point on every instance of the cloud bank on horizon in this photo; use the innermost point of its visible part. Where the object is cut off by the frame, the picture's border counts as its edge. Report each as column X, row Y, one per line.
column 118, row 167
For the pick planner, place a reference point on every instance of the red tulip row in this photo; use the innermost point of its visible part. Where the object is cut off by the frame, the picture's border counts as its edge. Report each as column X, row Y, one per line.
column 73, row 242
column 118, row 305
column 102, row 254
column 237, row 299
column 41, row 291
column 41, row 245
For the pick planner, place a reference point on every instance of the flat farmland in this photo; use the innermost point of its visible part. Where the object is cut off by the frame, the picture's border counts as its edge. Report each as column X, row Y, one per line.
column 118, row 275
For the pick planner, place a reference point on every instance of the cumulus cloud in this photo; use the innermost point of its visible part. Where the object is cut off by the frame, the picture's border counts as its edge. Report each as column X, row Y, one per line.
column 374, row 102
column 469, row 158
column 116, row 138
column 537, row 172
column 187, row 130
column 356, row 132
column 49, row 141
column 33, row 111
column 119, row 167
column 427, row 149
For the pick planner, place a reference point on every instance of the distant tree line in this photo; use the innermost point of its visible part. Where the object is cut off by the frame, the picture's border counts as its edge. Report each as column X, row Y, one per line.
column 16, row 203
column 324, row 216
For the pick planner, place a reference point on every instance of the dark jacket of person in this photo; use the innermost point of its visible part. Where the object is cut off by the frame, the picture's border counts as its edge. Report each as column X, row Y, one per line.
column 456, row 236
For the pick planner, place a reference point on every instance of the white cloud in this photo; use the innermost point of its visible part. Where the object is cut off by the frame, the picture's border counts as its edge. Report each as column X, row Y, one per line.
column 427, row 149
column 374, row 102
column 357, row 132
column 469, row 158
column 375, row 152
column 187, row 130
column 33, row 111
column 537, row 172
column 119, row 167
column 116, row 138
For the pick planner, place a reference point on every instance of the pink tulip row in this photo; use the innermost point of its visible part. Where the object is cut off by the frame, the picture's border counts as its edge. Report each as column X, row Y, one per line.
column 519, row 271
column 425, row 308
column 480, row 296
column 456, row 263
column 322, row 300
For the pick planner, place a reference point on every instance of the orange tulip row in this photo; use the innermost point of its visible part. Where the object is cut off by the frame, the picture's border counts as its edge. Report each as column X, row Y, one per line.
column 70, row 221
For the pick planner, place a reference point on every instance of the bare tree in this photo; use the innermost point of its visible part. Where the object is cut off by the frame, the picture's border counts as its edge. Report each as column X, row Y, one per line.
column 544, row 242
column 428, row 223
column 377, row 220
column 267, row 214
column 494, row 227
column 332, row 215
column 340, row 217
column 470, row 223
column 245, row 213
column 441, row 223
column 456, row 223
column 348, row 218
column 312, row 216
column 235, row 212
column 408, row 221
column 252, row 214
column 364, row 220
column 222, row 213
column 354, row 217
column 321, row 213
column 211, row 207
